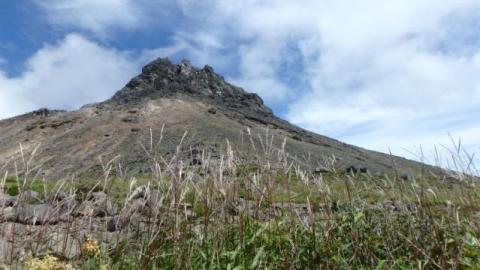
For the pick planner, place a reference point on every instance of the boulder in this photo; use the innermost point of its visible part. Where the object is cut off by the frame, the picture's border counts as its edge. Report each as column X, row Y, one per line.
column 30, row 196
column 7, row 200
column 97, row 205
column 35, row 214
column 355, row 170
column 212, row 110
column 363, row 170
column 352, row 169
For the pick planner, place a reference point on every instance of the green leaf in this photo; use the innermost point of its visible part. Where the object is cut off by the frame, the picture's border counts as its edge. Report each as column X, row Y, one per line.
column 472, row 240
column 257, row 259
column 380, row 265
column 359, row 216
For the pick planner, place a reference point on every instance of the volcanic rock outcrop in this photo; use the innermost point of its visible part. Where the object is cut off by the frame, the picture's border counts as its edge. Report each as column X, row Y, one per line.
column 144, row 123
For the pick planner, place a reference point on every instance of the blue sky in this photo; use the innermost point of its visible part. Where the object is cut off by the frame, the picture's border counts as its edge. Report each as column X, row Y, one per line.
column 389, row 76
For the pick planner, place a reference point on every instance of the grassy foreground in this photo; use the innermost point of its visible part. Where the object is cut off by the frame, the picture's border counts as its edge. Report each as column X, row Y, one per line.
column 234, row 215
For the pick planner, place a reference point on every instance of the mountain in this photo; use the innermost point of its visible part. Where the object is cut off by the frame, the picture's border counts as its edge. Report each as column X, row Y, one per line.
column 163, row 102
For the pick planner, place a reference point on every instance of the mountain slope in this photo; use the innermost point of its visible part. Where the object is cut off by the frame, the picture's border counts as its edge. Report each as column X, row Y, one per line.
column 166, row 100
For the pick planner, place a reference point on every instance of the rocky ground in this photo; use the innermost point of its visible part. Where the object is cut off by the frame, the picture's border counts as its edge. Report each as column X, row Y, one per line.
column 166, row 105
column 60, row 224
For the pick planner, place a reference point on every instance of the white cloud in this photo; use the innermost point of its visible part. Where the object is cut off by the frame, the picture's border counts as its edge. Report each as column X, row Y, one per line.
column 99, row 17
column 258, row 71
column 369, row 71
column 66, row 75
column 434, row 146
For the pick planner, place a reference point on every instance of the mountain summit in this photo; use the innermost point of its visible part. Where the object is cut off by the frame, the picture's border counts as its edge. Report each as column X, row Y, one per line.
column 163, row 79
column 148, row 118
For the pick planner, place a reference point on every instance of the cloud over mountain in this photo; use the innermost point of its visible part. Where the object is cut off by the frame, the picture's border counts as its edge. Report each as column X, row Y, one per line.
column 65, row 75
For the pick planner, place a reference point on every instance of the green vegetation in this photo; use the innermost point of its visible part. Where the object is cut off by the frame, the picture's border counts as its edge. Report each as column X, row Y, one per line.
column 13, row 185
column 230, row 215
column 337, row 221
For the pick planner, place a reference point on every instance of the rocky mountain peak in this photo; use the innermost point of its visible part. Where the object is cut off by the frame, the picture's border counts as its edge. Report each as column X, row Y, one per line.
column 168, row 99
column 162, row 78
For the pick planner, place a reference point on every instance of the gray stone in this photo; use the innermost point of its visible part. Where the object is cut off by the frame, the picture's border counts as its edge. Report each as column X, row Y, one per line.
column 354, row 169
column 363, row 170
column 7, row 200
column 29, row 196
column 58, row 196
column 351, row 169
column 97, row 205
column 36, row 214
column 64, row 245
column 8, row 213
column 117, row 223
column 98, row 197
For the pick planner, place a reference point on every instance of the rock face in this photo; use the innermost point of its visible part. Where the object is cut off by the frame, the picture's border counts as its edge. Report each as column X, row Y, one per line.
column 162, row 79
column 147, row 119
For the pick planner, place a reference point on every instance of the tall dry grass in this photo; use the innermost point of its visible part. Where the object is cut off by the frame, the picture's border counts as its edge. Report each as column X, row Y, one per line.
column 229, row 213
